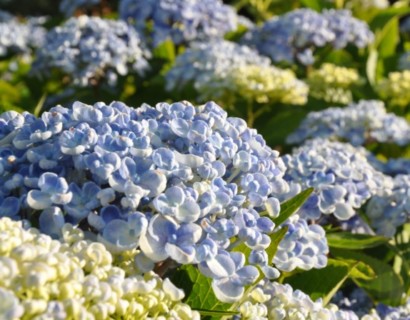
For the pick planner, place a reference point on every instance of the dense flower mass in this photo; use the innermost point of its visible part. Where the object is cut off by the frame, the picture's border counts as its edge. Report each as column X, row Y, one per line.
column 341, row 175
column 19, row 37
column 181, row 21
column 69, row 7
column 332, row 83
column 358, row 123
column 221, row 69
column 304, row 246
column 391, row 209
column 91, row 49
column 42, row 278
column 396, row 88
column 295, row 35
column 178, row 182
column 271, row 300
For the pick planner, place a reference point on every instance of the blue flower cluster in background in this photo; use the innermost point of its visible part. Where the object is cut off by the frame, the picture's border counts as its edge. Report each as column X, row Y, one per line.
column 294, row 36
column 181, row 21
column 18, row 37
column 221, row 70
column 69, row 7
column 90, row 50
column 341, row 175
column 358, row 123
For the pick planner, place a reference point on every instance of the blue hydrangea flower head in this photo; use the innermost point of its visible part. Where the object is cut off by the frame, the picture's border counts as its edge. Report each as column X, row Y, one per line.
column 91, row 49
column 341, row 175
column 358, row 123
column 181, row 21
column 390, row 209
column 69, row 7
column 175, row 181
column 223, row 70
column 294, row 36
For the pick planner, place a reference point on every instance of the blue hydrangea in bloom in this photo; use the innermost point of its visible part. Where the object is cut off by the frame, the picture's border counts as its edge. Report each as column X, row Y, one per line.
column 295, row 35
column 391, row 209
column 392, row 313
column 18, row 37
column 341, row 175
column 304, row 246
column 181, row 21
column 177, row 182
column 69, row 7
column 90, row 50
column 223, row 70
column 358, row 123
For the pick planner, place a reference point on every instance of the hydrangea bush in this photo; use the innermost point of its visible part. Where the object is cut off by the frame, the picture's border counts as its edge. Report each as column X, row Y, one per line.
column 222, row 70
column 181, row 21
column 259, row 199
column 91, row 50
column 294, row 36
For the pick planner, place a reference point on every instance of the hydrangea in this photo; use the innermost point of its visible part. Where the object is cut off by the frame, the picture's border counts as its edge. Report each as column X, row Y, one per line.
column 272, row 300
column 19, row 37
column 178, row 182
column 392, row 313
column 332, row 83
column 91, row 49
column 221, row 69
column 304, row 246
column 358, row 123
column 396, row 88
column 394, row 166
column 357, row 301
column 341, row 175
column 294, row 36
column 69, row 7
column 75, row 278
column 391, row 209
column 181, row 21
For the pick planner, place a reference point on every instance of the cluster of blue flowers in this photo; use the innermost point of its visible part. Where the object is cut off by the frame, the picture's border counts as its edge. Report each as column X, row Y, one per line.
column 341, row 175
column 69, row 7
column 19, row 37
column 358, row 123
column 89, row 49
column 178, row 182
column 181, row 21
column 294, row 36
column 220, row 70
column 304, row 246
column 391, row 209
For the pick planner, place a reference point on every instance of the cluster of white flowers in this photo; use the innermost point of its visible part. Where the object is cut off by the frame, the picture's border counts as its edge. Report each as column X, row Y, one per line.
column 332, row 83
column 42, row 278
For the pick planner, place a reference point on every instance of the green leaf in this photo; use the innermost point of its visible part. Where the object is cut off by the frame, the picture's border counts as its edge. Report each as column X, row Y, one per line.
column 347, row 240
column 388, row 38
column 312, row 4
column 387, row 287
column 214, row 313
column 165, row 50
column 289, row 207
column 198, row 289
column 321, row 283
column 381, row 19
column 361, row 271
column 371, row 66
column 275, row 238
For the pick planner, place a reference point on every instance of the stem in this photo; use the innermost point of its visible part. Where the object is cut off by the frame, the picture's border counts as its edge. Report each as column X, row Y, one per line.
column 250, row 114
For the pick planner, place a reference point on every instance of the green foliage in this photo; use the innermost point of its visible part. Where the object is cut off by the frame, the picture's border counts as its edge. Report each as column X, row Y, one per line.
column 324, row 283
column 289, row 207
column 352, row 241
column 198, row 292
